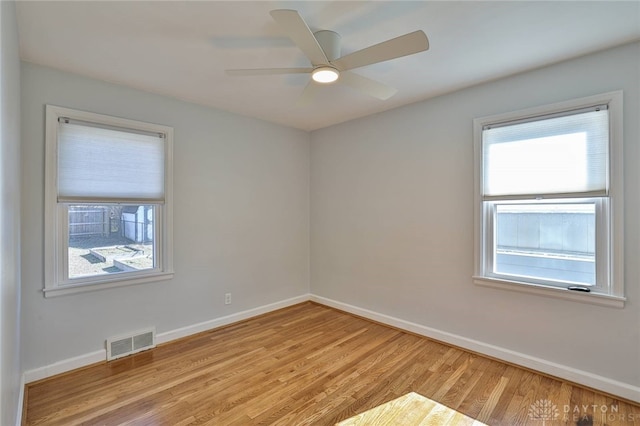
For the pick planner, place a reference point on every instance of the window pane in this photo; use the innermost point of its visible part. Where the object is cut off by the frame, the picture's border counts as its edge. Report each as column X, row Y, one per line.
column 553, row 242
column 110, row 239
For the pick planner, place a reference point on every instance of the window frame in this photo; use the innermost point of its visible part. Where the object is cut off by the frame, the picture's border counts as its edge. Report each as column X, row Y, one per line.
column 613, row 295
column 56, row 281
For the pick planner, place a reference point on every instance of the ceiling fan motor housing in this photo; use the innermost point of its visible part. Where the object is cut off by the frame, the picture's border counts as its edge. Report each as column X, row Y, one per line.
column 329, row 41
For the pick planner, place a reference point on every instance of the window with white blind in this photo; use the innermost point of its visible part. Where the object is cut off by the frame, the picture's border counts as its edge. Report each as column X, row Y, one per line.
column 107, row 201
column 549, row 200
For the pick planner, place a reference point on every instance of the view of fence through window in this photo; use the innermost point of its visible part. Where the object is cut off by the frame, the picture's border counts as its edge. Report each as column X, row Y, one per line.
column 547, row 241
column 105, row 239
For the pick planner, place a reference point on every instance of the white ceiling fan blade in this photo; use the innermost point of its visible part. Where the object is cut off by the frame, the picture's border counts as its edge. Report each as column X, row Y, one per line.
column 308, row 93
column 268, row 71
column 367, row 86
column 300, row 34
column 407, row 44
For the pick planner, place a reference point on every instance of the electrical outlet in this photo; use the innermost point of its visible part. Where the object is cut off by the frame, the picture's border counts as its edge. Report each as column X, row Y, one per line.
column 227, row 298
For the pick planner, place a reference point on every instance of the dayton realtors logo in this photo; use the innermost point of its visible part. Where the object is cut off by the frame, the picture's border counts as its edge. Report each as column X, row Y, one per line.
column 545, row 411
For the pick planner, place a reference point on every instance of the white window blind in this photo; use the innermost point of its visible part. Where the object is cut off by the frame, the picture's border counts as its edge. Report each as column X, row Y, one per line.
column 109, row 164
column 562, row 155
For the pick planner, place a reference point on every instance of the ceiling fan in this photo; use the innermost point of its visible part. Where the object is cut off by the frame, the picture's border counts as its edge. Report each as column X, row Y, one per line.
column 322, row 48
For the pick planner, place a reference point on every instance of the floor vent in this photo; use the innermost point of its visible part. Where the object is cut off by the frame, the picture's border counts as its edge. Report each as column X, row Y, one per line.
column 120, row 346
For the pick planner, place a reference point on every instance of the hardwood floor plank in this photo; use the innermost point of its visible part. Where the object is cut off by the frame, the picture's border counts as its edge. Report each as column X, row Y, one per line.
column 463, row 387
column 492, row 400
column 453, row 378
column 306, row 364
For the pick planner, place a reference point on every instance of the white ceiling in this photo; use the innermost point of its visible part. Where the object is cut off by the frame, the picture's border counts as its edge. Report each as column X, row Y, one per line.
column 181, row 49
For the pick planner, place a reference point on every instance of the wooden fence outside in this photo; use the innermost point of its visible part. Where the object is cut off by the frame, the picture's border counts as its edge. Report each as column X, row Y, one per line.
column 88, row 221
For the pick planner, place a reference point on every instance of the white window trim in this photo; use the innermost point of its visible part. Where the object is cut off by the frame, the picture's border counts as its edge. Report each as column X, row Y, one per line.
column 54, row 228
column 615, row 296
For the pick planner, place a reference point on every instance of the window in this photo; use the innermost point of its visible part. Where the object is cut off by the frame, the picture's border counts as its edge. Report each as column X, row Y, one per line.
column 108, row 202
column 549, row 200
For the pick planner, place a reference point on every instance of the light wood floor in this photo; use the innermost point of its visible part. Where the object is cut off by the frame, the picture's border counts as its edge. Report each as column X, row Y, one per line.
column 308, row 364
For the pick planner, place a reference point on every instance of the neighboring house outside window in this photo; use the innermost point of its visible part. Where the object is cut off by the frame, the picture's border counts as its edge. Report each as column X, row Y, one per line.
column 107, row 202
column 549, row 200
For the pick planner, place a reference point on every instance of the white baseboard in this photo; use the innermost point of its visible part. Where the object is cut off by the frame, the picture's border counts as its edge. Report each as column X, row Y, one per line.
column 64, row 366
column 20, row 402
column 101, row 355
column 581, row 377
column 226, row 320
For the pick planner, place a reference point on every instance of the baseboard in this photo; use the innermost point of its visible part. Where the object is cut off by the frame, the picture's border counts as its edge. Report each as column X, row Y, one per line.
column 101, row 355
column 226, row 320
column 64, row 366
column 21, row 402
column 614, row 387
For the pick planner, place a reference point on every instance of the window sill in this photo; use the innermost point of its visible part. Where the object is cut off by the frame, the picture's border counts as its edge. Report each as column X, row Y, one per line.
column 102, row 285
column 558, row 293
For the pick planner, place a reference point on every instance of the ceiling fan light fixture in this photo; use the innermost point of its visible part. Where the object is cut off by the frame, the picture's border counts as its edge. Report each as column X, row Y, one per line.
column 325, row 75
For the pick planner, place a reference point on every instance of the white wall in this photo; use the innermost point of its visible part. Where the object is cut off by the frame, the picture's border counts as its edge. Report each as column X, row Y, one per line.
column 392, row 221
column 10, row 369
column 241, row 223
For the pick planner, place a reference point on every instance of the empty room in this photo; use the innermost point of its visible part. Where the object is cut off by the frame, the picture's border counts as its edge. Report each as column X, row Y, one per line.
column 320, row 212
